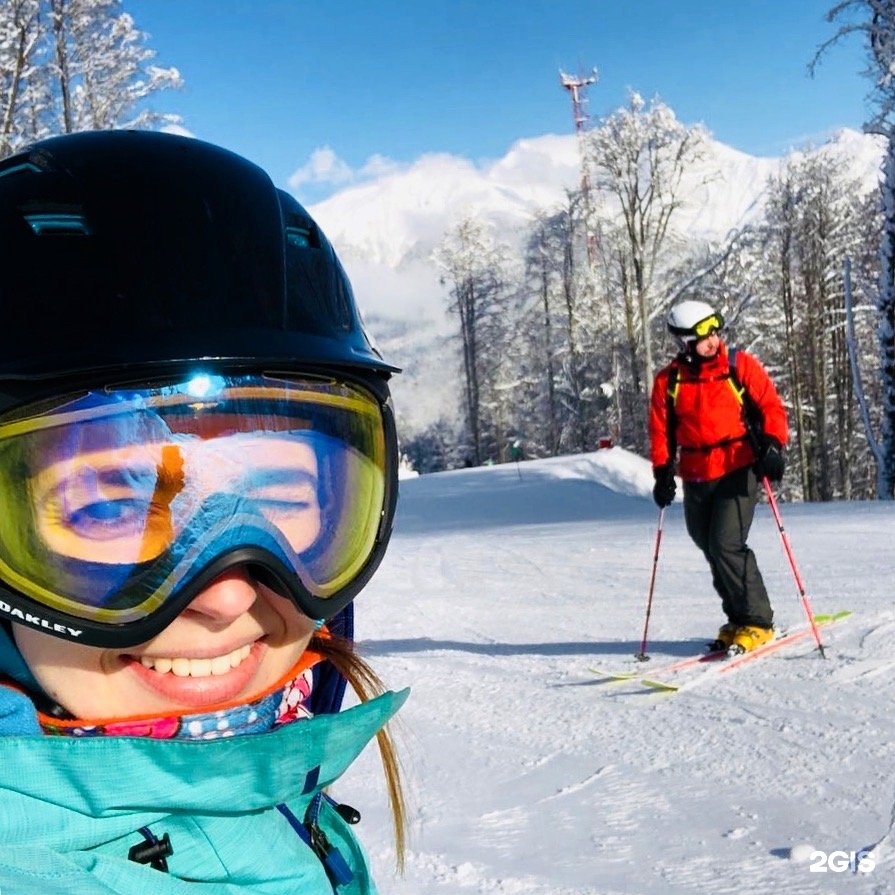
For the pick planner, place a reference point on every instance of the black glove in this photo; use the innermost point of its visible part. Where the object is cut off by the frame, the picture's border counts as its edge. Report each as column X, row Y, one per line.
column 665, row 488
column 771, row 462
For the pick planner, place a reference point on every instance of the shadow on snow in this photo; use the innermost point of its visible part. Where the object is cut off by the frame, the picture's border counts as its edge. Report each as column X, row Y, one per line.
column 584, row 648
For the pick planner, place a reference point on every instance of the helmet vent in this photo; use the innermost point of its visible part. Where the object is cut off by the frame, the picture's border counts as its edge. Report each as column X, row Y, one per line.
column 58, row 224
column 301, row 232
column 20, row 169
column 300, row 237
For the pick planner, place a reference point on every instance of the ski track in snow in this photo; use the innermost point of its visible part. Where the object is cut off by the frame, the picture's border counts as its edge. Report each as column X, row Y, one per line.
column 528, row 774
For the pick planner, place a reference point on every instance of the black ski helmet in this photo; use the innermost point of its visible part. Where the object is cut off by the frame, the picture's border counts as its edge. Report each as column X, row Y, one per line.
column 135, row 254
column 127, row 249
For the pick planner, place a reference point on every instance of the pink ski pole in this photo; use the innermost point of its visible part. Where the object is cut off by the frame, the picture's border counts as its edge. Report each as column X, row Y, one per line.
column 642, row 656
column 806, row 605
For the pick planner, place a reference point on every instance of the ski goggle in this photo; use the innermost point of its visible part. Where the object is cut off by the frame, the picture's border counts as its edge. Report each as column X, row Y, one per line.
column 699, row 330
column 120, row 504
column 708, row 326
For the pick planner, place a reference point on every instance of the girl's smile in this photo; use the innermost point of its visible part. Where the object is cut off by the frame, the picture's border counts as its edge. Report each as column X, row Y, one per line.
column 235, row 640
column 199, row 682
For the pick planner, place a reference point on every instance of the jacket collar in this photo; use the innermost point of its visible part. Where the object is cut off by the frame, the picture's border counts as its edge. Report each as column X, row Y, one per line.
column 82, row 783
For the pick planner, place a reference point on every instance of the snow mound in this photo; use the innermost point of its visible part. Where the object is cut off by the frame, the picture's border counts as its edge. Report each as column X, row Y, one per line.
column 586, row 487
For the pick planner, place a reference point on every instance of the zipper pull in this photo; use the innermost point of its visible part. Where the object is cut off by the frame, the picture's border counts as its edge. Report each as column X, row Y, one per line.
column 337, row 868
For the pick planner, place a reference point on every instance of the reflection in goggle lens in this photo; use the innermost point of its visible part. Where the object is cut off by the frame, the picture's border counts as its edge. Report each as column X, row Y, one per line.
column 110, row 497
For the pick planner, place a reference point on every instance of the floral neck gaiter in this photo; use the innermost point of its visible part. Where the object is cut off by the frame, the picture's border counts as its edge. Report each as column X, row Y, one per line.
column 286, row 701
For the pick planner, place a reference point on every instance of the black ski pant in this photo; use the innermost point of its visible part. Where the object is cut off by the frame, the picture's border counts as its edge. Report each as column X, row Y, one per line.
column 718, row 516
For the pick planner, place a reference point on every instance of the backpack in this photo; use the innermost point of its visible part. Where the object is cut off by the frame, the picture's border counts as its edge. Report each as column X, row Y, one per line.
column 753, row 418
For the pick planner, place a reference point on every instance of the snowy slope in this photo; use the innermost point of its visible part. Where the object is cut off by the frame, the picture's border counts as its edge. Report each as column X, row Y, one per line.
column 527, row 774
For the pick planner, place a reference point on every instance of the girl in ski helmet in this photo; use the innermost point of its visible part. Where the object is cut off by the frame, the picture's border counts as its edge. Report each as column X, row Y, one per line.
column 198, row 472
column 717, row 416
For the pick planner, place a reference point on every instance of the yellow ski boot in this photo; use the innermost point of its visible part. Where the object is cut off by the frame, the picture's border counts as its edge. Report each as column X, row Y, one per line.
column 724, row 639
column 748, row 637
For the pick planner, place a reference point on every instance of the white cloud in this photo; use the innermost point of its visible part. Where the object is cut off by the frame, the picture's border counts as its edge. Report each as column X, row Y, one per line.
column 177, row 130
column 324, row 167
column 409, row 294
column 378, row 166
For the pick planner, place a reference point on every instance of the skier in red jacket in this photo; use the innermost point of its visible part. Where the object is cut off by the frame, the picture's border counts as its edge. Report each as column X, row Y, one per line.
column 697, row 409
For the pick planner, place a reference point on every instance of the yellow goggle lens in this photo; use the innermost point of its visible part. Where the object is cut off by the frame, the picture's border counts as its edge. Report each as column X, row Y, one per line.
column 708, row 326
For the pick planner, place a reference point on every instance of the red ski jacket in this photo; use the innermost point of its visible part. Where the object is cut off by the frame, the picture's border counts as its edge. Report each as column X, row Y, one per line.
column 710, row 431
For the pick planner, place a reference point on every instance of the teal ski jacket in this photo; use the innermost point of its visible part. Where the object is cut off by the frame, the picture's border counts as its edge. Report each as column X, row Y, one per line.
column 71, row 810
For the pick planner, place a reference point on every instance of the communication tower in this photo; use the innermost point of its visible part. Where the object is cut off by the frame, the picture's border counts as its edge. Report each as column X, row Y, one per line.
column 577, row 86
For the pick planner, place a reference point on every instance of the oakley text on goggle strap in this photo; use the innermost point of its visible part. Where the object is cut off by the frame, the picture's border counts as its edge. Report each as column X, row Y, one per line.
column 121, row 503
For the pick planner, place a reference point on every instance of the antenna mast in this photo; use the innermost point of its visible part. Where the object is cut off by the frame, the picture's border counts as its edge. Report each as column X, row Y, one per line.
column 577, row 86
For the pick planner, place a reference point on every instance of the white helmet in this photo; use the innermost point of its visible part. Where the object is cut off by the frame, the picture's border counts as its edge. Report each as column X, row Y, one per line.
column 691, row 320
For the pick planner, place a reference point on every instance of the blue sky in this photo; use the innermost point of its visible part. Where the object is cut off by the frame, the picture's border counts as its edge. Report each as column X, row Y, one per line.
column 380, row 81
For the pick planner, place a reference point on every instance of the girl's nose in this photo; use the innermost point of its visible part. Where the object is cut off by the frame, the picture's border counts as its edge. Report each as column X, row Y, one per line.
column 229, row 596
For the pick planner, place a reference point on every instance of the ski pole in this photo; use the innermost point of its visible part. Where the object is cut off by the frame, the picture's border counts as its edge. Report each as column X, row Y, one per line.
column 642, row 656
column 806, row 605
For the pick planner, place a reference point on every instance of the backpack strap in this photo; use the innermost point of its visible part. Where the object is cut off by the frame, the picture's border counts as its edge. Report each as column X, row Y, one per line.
column 733, row 378
column 752, row 416
column 329, row 685
column 671, row 391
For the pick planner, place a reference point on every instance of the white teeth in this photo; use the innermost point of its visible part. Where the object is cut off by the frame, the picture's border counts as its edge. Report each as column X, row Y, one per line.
column 183, row 667
column 220, row 665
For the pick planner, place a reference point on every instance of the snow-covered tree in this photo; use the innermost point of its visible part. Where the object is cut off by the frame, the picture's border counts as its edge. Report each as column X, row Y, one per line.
column 638, row 156
column 556, row 355
column 813, row 223
column 20, row 56
column 71, row 65
column 474, row 267
column 874, row 21
column 555, row 326
column 541, row 331
column 104, row 67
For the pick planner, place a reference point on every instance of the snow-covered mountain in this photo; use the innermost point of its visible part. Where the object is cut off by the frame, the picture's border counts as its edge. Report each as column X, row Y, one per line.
column 402, row 215
column 386, row 229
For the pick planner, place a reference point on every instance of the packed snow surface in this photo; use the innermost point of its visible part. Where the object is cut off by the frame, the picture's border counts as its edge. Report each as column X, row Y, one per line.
column 527, row 773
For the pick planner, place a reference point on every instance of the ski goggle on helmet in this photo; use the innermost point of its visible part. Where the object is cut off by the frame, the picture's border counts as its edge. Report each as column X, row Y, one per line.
column 691, row 321
column 186, row 387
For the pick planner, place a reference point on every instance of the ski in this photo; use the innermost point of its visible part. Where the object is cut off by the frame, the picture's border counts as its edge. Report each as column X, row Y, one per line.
column 678, row 665
column 668, row 668
column 731, row 663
